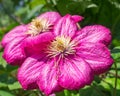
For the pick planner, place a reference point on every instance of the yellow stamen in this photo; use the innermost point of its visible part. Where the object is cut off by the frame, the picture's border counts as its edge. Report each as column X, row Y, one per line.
column 61, row 46
column 39, row 25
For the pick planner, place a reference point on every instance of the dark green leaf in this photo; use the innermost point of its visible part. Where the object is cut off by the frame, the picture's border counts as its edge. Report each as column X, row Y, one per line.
column 116, row 52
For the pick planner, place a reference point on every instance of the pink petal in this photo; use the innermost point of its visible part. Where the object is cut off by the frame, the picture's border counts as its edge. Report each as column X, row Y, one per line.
column 66, row 26
column 29, row 72
column 97, row 55
column 75, row 73
column 37, row 43
column 52, row 17
column 48, row 78
column 94, row 34
column 77, row 18
column 38, row 71
column 17, row 32
column 13, row 52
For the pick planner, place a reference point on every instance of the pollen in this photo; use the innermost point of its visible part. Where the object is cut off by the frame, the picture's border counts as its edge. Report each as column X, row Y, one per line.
column 61, row 46
column 38, row 26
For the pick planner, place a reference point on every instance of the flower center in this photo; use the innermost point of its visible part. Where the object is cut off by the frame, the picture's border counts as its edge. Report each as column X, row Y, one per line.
column 61, row 46
column 39, row 25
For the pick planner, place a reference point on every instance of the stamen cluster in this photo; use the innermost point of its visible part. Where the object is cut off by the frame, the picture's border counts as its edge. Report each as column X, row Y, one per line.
column 61, row 46
column 39, row 25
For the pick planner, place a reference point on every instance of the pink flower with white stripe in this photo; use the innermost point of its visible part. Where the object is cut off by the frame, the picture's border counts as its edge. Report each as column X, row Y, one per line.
column 70, row 60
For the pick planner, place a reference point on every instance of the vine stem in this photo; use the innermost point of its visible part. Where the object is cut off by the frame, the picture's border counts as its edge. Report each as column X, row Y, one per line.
column 116, row 73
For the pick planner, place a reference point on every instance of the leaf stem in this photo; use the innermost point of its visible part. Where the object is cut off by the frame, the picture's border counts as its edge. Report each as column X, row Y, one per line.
column 116, row 73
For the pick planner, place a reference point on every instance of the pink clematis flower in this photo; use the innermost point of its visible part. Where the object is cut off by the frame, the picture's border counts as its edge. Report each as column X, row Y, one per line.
column 25, row 37
column 70, row 60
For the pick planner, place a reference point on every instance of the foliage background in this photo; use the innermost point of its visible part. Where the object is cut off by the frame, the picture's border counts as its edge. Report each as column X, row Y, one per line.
column 105, row 12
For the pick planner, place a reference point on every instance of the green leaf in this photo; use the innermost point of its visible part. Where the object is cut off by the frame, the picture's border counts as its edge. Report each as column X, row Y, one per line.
column 74, row 93
column 116, row 52
column 33, row 11
column 109, row 83
column 3, row 85
column 105, row 9
column 5, row 93
column 2, row 61
column 76, row 7
column 62, row 6
column 91, row 91
column 67, row 92
column 35, row 3
column 22, row 10
column 15, row 85
column 113, row 69
column 60, row 93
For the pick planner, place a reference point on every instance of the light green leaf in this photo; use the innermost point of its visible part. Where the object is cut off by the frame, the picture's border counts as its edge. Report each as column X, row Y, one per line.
column 15, row 85
column 35, row 3
column 22, row 10
column 67, row 92
column 109, row 83
column 70, row 93
column 2, row 61
column 3, row 85
column 5, row 93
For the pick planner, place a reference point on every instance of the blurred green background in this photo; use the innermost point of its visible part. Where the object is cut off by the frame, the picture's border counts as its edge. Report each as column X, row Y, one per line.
column 105, row 12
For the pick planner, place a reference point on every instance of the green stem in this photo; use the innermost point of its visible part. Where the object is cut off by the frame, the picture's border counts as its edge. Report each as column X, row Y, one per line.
column 116, row 73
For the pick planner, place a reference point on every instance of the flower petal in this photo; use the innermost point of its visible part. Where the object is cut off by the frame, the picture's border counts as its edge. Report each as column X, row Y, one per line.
column 37, row 43
column 66, row 26
column 38, row 71
column 17, row 32
column 97, row 55
column 14, row 52
column 77, row 18
column 75, row 73
column 94, row 34
column 29, row 72
column 52, row 17
column 48, row 78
